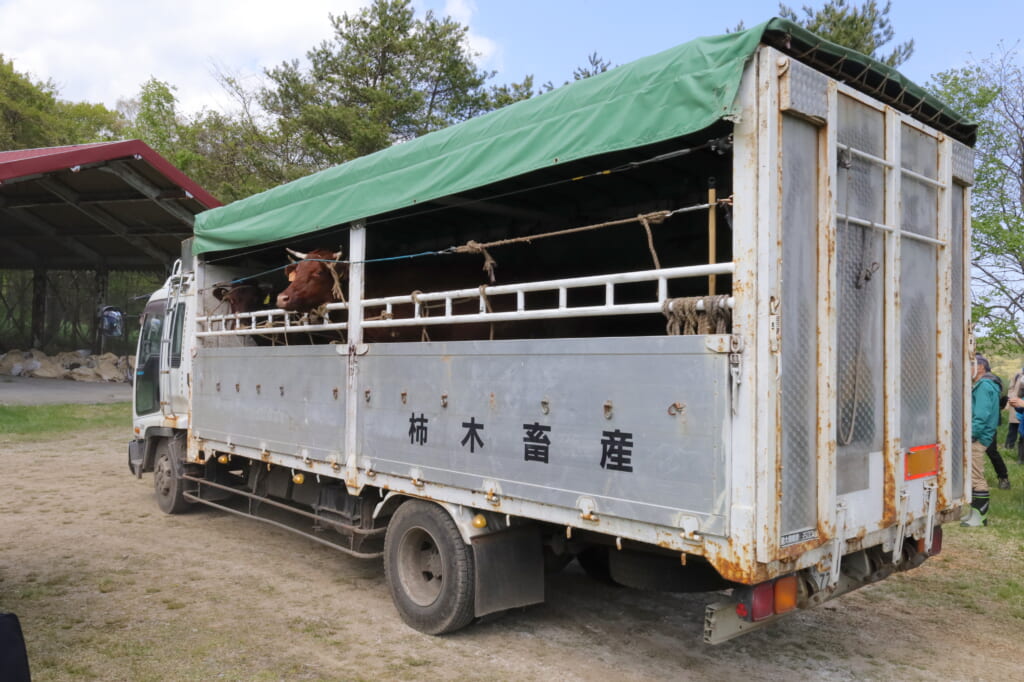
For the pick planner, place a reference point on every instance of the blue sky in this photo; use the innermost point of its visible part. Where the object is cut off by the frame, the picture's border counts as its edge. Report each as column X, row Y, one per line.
column 103, row 50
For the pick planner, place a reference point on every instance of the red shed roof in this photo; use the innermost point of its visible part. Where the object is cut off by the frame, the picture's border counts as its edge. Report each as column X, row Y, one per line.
column 107, row 205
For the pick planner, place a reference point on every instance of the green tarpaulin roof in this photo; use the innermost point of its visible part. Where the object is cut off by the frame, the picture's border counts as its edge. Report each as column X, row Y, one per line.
column 667, row 95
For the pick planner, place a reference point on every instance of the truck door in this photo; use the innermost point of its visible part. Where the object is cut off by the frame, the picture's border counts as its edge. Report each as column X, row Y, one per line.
column 866, row 318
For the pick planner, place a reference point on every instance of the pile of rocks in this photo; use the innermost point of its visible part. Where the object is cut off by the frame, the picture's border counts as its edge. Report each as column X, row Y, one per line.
column 78, row 365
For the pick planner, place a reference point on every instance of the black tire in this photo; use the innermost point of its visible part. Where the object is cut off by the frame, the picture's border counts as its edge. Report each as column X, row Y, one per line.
column 429, row 569
column 166, row 481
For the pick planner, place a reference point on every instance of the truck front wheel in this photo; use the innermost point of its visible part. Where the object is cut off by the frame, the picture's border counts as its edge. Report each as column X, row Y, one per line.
column 429, row 569
column 168, row 485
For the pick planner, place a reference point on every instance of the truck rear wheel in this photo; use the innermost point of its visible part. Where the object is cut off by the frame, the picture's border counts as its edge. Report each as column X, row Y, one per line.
column 429, row 569
column 166, row 482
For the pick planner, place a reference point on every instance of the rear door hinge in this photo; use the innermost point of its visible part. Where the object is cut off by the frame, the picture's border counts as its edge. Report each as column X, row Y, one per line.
column 735, row 356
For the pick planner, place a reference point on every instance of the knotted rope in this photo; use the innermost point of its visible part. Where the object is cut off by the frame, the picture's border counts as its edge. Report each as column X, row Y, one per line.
column 683, row 317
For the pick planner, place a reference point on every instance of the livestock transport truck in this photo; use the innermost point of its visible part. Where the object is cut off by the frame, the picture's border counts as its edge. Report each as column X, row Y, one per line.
column 719, row 341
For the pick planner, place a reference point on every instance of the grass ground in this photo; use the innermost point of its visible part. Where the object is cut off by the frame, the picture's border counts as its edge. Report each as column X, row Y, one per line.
column 23, row 423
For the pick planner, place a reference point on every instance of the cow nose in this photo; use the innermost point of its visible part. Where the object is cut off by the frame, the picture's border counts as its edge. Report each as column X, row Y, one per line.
column 282, row 300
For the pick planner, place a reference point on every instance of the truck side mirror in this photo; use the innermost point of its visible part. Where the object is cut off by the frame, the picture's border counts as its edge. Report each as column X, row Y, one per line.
column 111, row 322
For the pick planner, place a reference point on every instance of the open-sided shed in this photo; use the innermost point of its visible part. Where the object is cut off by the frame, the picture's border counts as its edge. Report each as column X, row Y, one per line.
column 100, row 208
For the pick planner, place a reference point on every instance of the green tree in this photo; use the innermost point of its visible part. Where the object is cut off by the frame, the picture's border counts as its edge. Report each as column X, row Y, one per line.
column 865, row 28
column 992, row 92
column 386, row 76
column 153, row 116
column 33, row 115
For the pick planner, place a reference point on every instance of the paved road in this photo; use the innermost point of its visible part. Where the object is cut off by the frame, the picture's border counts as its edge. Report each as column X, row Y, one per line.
column 33, row 391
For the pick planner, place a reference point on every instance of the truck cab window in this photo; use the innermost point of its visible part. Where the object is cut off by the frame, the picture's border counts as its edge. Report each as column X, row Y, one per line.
column 178, row 325
column 147, row 367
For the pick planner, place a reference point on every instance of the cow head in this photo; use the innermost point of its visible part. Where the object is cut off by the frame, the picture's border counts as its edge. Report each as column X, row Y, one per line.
column 242, row 297
column 312, row 281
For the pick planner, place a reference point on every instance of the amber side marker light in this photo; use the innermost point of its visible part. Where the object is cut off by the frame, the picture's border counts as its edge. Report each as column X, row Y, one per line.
column 785, row 594
column 921, row 461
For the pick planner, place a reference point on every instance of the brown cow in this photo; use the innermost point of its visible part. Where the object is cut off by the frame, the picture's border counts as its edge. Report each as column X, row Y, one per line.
column 313, row 281
column 241, row 297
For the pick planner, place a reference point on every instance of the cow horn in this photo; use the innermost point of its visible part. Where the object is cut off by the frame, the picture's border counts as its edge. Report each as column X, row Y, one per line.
column 337, row 255
column 297, row 254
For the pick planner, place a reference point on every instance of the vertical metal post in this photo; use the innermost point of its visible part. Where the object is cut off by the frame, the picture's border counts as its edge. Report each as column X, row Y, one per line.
column 945, row 382
column 38, row 325
column 712, row 232
column 102, row 286
column 828, row 315
column 892, row 447
column 356, row 271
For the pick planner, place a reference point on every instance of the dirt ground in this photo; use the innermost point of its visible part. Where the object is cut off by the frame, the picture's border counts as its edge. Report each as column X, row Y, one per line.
column 109, row 588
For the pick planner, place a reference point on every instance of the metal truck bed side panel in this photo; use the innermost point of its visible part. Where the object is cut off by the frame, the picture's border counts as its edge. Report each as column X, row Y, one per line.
column 637, row 427
column 289, row 400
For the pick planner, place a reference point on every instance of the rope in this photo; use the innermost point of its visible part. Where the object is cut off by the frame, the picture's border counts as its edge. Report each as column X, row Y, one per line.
column 650, row 240
column 476, row 247
column 336, row 291
column 684, row 318
column 472, row 246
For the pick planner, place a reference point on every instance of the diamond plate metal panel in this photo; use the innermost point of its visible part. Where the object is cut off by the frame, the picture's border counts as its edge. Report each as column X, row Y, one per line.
column 861, row 126
column 963, row 163
column 799, row 312
column 860, row 255
column 919, row 207
column 918, row 271
column 804, row 91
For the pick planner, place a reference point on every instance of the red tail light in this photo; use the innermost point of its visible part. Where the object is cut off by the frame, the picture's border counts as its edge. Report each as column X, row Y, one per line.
column 762, row 602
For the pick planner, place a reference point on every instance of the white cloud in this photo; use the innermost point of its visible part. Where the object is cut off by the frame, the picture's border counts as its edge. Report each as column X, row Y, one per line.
column 103, row 50
column 488, row 51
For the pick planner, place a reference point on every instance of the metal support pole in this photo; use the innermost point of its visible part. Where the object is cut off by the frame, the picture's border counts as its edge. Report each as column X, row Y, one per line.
column 102, row 287
column 356, row 256
column 38, row 308
column 712, row 232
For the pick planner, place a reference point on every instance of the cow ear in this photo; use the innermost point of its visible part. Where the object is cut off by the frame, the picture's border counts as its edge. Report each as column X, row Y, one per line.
column 218, row 293
column 289, row 271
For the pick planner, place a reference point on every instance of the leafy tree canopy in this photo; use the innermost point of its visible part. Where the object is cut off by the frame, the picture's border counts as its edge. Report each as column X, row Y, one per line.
column 992, row 92
column 32, row 114
column 386, row 76
column 865, row 28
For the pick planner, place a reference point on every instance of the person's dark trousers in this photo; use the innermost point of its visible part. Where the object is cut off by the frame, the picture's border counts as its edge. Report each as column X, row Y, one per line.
column 13, row 659
column 1011, row 436
column 997, row 461
column 1020, row 451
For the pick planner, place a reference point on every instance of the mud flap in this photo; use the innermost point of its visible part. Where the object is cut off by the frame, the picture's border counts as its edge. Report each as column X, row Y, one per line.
column 509, row 569
column 136, row 456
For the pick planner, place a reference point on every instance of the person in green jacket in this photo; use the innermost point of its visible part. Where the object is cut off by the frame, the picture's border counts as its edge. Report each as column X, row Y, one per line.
column 984, row 421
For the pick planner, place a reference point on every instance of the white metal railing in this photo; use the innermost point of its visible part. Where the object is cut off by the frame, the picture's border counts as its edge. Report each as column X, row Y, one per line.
column 260, row 322
column 381, row 312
